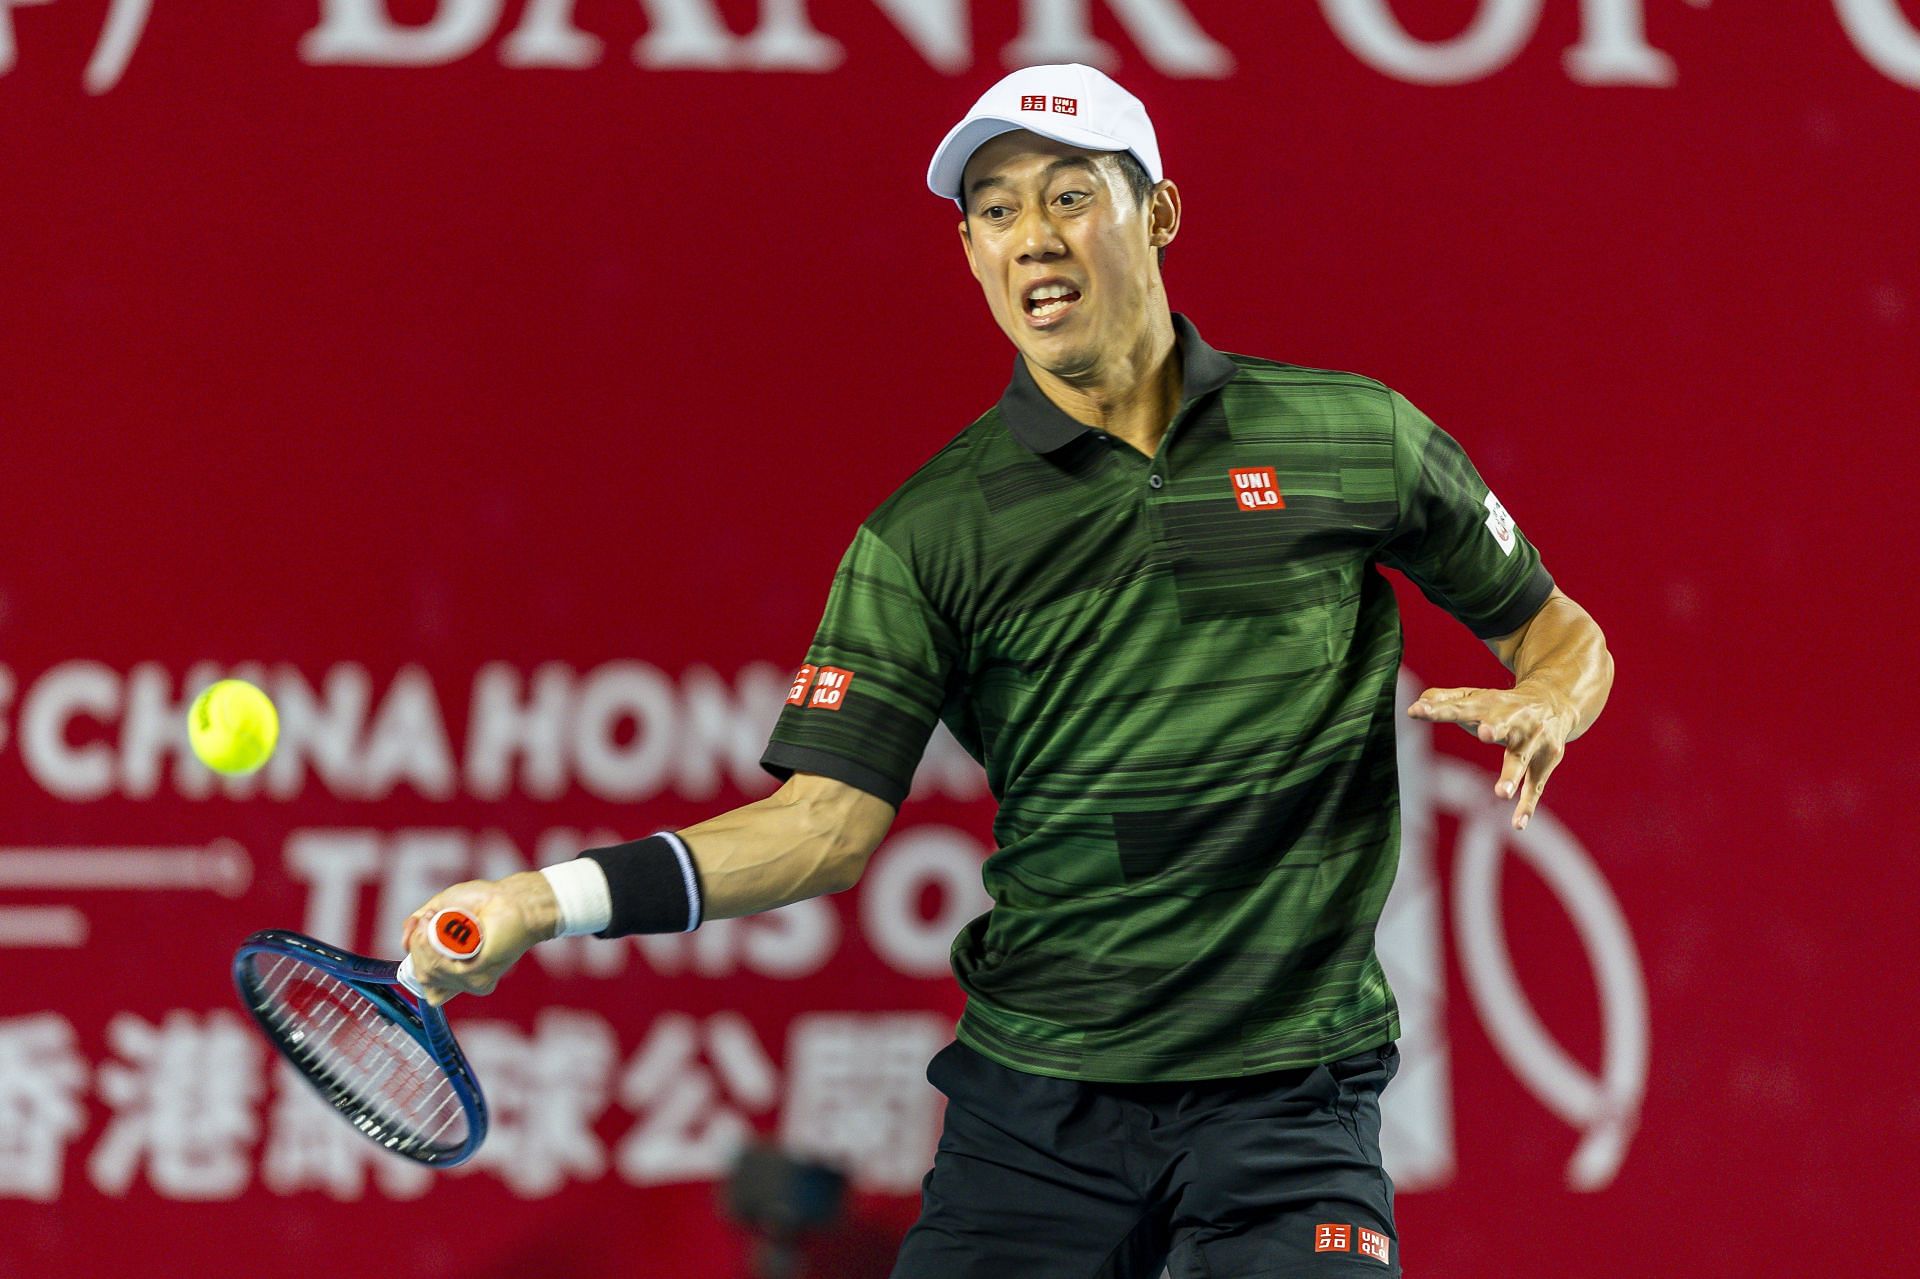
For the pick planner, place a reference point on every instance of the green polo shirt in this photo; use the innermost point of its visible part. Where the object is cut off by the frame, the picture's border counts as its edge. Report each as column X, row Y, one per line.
column 1178, row 672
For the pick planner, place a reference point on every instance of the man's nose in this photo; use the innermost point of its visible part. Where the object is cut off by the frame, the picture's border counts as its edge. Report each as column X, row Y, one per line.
column 1038, row 238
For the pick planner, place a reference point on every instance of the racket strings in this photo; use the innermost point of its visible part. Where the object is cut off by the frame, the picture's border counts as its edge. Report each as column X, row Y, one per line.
column 367, row 1064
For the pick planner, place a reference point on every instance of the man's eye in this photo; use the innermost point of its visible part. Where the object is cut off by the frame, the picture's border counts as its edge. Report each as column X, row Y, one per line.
column 993, row 212
column 1072, row 199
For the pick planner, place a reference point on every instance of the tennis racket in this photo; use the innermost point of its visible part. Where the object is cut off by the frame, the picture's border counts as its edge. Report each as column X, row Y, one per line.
column 386, row 1061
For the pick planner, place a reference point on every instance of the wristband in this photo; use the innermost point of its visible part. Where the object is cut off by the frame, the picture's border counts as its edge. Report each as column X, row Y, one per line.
column 586, row 903
column 653, row 885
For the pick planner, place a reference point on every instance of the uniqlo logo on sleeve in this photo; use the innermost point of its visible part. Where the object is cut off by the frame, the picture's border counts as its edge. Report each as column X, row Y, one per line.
column 801, row 678
column 1332, row 1238
column 830, row 688
column 1499, row 523
column 1256, row 488
column 1033, row 102
column 1374, row 1244
column 1067, row 106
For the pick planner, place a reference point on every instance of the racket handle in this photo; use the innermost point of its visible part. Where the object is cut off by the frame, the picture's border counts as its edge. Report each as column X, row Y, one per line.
column 408, row 978
column 454, row 933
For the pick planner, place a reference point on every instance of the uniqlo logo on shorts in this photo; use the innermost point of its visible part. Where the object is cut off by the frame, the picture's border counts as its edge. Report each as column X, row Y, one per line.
column 1033, row 102
column 801, row 678
column 1332, row 1238
column 830, row 688
column 1067, row 106
column 1374, row 1244
column 1256, row 488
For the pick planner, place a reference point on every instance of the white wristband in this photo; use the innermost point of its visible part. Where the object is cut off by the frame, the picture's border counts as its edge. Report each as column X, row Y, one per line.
column 586, row 903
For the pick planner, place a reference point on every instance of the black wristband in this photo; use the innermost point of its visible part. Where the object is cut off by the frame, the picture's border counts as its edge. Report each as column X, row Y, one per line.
column 653, row 883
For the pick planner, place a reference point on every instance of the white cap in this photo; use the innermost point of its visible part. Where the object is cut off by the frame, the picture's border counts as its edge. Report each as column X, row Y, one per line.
column 1069, row 103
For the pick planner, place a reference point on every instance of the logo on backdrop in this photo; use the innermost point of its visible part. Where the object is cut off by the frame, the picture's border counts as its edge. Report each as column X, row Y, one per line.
column 1611, row 47
column 1417, row 1112
column 195, row 1108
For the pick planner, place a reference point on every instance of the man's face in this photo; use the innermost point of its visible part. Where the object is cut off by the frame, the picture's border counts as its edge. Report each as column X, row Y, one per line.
column 1064, row 253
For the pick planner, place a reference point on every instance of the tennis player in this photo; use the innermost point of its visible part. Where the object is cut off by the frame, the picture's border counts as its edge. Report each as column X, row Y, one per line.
column 1143, row 589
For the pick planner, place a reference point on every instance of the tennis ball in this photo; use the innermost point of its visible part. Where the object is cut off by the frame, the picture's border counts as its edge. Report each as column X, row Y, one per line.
column 233, row 726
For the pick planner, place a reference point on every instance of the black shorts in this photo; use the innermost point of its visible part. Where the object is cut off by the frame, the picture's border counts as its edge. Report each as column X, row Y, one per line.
column 1267, row 1175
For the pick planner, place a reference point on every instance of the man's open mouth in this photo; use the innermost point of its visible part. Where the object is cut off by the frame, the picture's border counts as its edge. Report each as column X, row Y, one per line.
column 1050, row 301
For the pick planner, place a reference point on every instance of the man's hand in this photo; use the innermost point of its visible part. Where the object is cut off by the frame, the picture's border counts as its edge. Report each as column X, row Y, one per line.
column 514, row 914
column 1533, row 723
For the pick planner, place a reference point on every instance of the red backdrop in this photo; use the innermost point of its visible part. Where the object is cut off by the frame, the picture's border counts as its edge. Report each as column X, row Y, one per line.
column 502, row 383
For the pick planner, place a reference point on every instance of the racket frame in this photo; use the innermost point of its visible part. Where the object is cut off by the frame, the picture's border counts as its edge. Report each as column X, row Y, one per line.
column 380, row 981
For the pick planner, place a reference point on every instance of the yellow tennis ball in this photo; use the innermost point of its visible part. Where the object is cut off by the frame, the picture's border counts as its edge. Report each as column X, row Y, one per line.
column 233, row 726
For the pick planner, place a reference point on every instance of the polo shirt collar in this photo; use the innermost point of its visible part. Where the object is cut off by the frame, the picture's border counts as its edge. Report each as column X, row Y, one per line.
column 1043, row 426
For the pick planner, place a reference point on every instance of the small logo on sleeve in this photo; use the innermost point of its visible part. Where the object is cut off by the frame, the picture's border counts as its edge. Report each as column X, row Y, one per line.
column 801, row 678
column 1374, row 1244
column 1332, row 1238
column 1256, row 488
column 830, row 688
column 1500, row 524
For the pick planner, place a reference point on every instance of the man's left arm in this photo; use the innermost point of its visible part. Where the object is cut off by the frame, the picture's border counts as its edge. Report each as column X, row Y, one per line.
column 1562, row 674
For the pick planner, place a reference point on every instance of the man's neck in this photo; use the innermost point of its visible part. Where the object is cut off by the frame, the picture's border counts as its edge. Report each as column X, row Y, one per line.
column 1132, row 397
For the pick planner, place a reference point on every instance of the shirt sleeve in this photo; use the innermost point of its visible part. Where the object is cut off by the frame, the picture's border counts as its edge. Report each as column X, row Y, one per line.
column 864, row 702
column 1452, row 536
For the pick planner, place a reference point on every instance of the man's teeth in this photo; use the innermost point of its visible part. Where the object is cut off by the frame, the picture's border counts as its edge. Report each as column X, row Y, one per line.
column 1050, row 298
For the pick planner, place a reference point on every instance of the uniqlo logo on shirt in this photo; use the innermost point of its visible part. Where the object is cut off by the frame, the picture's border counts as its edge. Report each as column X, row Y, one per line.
column 1332, row 1238
column 830, row 688
column 1256, row 488
column 1374, row 1244
column 1067, row 106
column 1500, row 524
column 1033, row 102
column 801, row 678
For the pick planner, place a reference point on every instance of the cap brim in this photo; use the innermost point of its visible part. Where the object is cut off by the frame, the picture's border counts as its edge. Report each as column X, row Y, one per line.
column 950, row 158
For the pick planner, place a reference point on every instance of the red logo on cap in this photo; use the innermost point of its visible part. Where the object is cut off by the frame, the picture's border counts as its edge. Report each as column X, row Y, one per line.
column 1067, row 106
column 1033, row 102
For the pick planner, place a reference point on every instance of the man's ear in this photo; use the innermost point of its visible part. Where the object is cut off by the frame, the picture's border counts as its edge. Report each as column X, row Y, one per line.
column 966, row 243
column 1163, row 215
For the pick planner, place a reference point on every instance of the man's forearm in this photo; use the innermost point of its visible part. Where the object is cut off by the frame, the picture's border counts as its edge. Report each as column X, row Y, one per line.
column 1563, row 655
column 812, row 836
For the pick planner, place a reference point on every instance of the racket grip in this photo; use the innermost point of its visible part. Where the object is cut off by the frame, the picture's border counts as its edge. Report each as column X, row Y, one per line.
column 454, row 933
column 408, row 978
column 411, row 980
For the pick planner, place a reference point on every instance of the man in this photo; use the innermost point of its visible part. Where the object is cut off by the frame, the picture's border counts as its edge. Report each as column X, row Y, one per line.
column 1142, row 590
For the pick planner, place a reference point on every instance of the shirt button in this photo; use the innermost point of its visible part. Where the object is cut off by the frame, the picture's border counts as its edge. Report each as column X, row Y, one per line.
column 1155, row 481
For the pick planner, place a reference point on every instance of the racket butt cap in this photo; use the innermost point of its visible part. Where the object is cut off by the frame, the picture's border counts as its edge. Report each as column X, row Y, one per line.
column 455, row 934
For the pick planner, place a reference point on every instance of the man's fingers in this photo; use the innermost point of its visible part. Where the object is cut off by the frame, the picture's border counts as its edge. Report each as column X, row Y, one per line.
column 1513, row 774
column 504, row 929
column 1435, row 699
column 1534, row 785
column 1462, row 706
column 1509, row 718
column 443, row 978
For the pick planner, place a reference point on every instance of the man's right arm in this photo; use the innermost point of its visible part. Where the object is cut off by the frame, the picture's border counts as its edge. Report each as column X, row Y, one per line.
column 812, row 836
